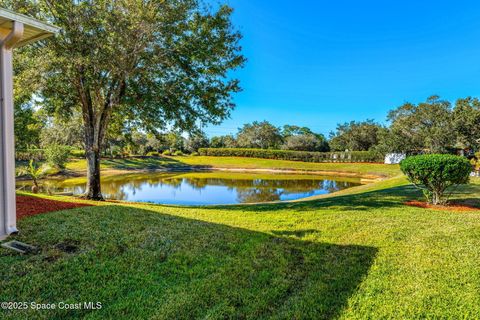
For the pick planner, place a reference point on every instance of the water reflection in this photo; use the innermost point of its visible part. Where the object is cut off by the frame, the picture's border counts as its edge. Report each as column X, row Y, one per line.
column 208, row 187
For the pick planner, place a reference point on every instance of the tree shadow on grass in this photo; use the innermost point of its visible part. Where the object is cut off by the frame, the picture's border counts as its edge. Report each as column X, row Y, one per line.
column 145, row 163
column 144, row 264
column 387, row 198
column 468, row 202
column 465, row 195
column 151, row 163
column 295, row 233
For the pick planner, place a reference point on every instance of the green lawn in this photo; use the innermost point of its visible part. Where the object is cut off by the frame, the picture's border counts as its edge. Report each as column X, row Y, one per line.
column 178, row 163
column 362, row 254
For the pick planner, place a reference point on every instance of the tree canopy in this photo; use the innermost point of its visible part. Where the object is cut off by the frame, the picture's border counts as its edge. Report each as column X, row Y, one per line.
column 466, row 122
column 305, row 142
column 227, row 141
column 355, row 136
column 155, row 64
column 292, row 130
column 425, row 126
column 262, row 135
column 196, row 141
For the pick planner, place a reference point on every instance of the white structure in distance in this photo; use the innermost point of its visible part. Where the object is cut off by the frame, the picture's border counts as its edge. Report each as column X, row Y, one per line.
column 394, row 158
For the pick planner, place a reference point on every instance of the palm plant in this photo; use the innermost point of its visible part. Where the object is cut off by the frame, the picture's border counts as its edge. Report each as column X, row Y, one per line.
column 35, row 173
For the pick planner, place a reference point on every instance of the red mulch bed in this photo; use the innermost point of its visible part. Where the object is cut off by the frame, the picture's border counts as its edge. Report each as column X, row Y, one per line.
column 450, row 207
column 29, row 206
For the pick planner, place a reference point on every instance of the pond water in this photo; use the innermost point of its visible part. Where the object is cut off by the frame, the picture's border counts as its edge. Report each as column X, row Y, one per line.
column 205, row 188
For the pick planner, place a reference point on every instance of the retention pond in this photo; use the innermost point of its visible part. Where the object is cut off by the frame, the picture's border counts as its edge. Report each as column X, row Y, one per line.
column 204, row 188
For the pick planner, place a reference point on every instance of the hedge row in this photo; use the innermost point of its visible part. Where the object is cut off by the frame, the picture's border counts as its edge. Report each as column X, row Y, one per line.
column 352, row 156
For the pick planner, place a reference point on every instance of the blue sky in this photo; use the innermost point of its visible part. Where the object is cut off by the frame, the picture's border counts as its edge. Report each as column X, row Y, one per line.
column 318, row 63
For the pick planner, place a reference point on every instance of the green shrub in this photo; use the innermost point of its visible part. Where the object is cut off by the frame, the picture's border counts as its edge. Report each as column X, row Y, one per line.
column 57, row 155
column 166, row 153
column 153, row 154
column 194, row 154
column 178, row 153
column 435, row 173
column 352, row 156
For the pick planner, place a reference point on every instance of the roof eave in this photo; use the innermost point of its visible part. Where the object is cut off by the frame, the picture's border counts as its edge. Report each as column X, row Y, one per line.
column 28, row 21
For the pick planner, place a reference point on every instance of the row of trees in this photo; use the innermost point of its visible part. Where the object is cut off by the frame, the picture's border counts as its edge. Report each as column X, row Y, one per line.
column 264, row 135
column 37, row 130
column 434, row 126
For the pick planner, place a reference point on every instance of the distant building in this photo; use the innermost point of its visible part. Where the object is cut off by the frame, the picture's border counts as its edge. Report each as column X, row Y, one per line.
column 394, row 158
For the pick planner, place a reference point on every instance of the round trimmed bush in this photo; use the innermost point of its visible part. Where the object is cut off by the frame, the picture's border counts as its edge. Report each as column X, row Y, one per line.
column 435, row 173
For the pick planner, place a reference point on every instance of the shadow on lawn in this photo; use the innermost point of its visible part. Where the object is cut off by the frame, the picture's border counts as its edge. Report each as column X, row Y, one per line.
column 295, row 233
column 469, row 202
column 145, row 264
column 468, row 195
column 387, row 198
column 149, row 163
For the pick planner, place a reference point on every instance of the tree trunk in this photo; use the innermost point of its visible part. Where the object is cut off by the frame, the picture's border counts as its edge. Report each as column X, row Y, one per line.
column 436, row 198
column 93, row 155
column 95, row 121
column 93, row 191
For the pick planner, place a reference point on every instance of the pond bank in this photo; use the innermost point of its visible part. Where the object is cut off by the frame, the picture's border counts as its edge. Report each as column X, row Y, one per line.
column 202, row 187
column 368, row 172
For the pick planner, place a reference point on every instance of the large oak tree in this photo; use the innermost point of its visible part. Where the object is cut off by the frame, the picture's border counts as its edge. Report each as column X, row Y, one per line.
column 152, row 63
column 466, row 122
column 426, row 126
column 261, row 135
column 355, row 136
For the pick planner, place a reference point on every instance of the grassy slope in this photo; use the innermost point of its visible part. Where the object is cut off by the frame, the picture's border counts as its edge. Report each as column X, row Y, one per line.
column 360, row 255
column 234, row 162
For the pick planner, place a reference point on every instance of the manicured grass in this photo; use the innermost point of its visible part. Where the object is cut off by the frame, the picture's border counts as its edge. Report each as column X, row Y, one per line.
column 362, row 254
column 254, row 163
column 150, row 163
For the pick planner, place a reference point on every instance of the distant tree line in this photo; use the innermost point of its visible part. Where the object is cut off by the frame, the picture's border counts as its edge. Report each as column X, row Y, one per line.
column 433, row 126
column 264, row 135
